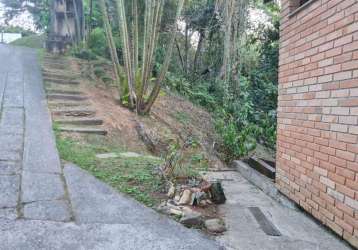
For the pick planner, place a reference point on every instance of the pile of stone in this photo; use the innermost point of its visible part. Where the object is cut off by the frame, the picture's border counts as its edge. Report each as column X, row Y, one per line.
column 184, row 200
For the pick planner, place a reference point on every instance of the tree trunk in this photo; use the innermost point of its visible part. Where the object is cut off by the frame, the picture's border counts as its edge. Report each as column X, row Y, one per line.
column 126, row 50
column 186, row 48
column 152, row 33
column 89, row 25
column 180, row 55
column 111, row 45
column 198, row 50
column 158, row 84
column 77, row 22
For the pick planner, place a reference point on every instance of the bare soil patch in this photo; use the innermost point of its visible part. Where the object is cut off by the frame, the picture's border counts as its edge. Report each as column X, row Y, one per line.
column 171, row 120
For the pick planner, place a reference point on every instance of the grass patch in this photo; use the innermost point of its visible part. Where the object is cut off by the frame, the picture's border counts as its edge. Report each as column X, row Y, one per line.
column 182, row 117
column 133, row 176
column 41, row 55
column 32, row 41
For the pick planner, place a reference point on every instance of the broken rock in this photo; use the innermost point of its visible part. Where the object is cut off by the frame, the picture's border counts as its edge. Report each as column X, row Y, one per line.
column 171, row 191
column 215, row 225
column 174, row 211
column 191, row 219
column 185, row 197
column 205, row 186
column 177, row 198
column 198, row 197
column 163, row 208
column 217, row 193
column 203, row 203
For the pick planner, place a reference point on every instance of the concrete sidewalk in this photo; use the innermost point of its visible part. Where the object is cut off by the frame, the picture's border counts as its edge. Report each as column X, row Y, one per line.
column 46, row 206
column 247, row 232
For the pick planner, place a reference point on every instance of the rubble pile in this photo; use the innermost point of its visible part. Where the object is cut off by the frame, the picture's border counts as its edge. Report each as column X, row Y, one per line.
column 186, row 202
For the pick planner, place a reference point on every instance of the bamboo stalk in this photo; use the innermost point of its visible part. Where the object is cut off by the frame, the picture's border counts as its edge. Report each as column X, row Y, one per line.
column 156, row 90
column 153, row 28
column 148, row 46
column 154, row 39
column 77, row 22
column 126, row 52
column 111, row 44
column 135, row 43
column 180, row 55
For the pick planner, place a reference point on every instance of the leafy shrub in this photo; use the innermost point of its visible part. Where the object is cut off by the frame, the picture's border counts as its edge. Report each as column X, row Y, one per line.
column 85, row 54
column 17, row 29
column 99, row 72
column 234, row 123
column 97, row 42
column 237, row 141
column 201, row 96
column 31, row 41
column 178, row 83
column 198, row 93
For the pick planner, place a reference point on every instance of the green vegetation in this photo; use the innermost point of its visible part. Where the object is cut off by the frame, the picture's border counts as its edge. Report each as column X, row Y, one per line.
column 230, row 68
column 182, row 117
column 139, row 177
column 182, row 161
column 97, row 42
column 217, row 56
column 244, row 103
column 32, row 41
column 16, row 29
column 134, row 176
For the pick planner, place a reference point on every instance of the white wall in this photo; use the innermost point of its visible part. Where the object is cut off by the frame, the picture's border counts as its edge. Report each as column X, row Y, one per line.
column 9, row 37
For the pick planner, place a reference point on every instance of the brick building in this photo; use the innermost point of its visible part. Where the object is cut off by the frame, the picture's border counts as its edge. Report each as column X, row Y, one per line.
column 317, row 148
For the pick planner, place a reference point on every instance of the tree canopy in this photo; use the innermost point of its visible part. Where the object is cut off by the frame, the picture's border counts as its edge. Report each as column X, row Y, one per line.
column 222, row 55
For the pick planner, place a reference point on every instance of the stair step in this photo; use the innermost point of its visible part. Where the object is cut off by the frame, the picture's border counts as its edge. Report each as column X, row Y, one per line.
column 80, row 121
column 62, row 91
column 54, row 57
column 57, row 60
column 66, row 97
column 262, row 167
column 67, row 72
column 53, row 65
column 65, row 75
column 62, row 87
column 75, row 112
column 61, row 81
column 63, row 103
column 97, row 131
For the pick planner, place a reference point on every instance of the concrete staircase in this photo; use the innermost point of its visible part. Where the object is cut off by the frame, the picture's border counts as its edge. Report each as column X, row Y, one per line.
column 71, row 109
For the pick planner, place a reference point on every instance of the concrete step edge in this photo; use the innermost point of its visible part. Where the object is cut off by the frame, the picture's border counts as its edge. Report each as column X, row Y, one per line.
column 98, row 131
column 67, row 97
column 80, row 121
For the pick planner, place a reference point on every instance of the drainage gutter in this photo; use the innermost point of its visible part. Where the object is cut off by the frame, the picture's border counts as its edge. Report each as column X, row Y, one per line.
column 262, row 182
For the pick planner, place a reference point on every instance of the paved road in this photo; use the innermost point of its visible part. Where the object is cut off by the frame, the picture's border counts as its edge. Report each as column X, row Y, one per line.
column 46, row 206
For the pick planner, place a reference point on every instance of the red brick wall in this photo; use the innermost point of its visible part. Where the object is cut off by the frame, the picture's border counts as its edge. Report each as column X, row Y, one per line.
column 317, row 145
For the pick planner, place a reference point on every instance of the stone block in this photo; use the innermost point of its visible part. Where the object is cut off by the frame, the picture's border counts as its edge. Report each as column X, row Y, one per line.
column 41, row 187
column 57, row 210
column 9, row 190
